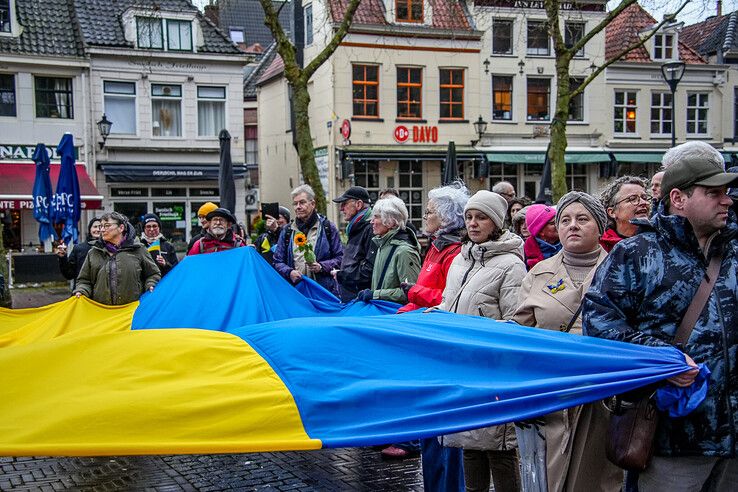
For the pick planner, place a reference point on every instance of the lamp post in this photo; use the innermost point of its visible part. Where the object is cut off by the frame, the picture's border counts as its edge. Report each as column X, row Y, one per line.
column 480, row 126
column 103, row 126
column 673, row 73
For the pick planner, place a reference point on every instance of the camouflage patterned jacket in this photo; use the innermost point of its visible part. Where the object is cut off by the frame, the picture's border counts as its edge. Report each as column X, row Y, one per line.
column 640, row 294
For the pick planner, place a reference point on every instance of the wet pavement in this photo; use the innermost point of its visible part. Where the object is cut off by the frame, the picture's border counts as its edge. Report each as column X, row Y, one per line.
column 347, row 469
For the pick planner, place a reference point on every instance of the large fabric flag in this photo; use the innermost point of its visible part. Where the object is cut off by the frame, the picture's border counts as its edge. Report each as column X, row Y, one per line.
column 42, row 194
column 66, row 205
column 82, row 382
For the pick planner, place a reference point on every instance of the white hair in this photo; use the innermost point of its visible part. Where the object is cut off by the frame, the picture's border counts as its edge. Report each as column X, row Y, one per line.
column 391, row 211
column 503, row 187
column 307, row 189
column 692, row 150
column 450, row 202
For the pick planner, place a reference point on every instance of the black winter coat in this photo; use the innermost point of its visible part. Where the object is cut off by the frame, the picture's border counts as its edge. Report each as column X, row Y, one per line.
column 72, row 264
column 357, row 263
column 167, row 251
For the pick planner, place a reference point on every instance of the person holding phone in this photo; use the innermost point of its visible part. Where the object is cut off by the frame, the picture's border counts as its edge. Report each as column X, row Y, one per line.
column 274, row 222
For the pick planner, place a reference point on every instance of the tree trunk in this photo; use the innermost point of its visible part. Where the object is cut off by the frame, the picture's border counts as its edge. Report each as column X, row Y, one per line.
column 557, row 150
column 304, row 139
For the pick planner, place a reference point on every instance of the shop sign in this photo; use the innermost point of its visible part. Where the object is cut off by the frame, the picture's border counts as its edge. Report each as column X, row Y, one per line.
column 204, row 192
column 27, row 204
column 169, row 213
column 346, row 129
column 126, row 192
column 25, row 152
column 420, row 134
column 321, row 161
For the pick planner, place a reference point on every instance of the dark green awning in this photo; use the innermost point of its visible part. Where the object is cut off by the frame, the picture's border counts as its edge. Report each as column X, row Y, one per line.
column 652, row 157
column 539, row 157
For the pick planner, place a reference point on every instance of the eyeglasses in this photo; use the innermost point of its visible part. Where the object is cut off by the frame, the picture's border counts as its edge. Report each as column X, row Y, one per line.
column 634, row 198
column 429, row 212
column 109, row 225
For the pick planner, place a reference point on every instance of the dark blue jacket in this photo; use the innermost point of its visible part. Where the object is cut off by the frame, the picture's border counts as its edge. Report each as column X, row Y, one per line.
column 640, row 294
column 357, row 264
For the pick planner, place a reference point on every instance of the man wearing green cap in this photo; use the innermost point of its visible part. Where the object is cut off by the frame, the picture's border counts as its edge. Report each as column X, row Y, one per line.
column 642, row 292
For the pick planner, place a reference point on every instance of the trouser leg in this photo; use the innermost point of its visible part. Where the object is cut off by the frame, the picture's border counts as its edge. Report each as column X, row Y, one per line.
column 505, row 469
column 476, row 470
column 679, row 474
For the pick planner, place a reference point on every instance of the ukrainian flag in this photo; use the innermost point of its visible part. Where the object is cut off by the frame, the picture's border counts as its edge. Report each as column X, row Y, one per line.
column 155, row 246
column 241, row 361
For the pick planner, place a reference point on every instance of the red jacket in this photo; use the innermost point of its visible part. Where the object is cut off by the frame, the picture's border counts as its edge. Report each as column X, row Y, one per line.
column 209, row 244
column 428, row 290
column 609, row 239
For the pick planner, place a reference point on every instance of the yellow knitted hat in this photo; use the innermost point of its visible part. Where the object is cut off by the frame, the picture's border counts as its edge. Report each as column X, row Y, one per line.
column 206, row 209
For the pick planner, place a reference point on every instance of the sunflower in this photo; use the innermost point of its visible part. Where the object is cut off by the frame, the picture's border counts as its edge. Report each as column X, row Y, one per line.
column 300, row 239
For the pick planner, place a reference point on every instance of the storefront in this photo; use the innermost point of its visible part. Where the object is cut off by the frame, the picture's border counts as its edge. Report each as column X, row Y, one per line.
column 173, row 192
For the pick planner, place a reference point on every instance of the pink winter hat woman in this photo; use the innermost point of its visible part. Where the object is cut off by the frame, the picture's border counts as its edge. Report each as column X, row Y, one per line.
column 538, row 216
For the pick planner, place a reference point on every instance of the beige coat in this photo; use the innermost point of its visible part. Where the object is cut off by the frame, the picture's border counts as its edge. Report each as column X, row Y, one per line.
column 484, row 280
column 575, row 437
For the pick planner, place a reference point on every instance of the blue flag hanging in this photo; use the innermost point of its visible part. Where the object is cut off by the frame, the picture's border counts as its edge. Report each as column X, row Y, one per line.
column 66, row 204
column 42, row 194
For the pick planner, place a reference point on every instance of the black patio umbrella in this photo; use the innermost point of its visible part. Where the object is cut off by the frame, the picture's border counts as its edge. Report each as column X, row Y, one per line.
column 545, row 193
column 226, row 183
column 450, row 169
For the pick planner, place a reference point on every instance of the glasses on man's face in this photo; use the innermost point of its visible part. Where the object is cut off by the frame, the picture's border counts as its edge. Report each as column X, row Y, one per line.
column 635, row 198
column 108, row 225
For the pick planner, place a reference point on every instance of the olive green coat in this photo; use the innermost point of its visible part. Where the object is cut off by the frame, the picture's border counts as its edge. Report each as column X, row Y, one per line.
column 398, row 251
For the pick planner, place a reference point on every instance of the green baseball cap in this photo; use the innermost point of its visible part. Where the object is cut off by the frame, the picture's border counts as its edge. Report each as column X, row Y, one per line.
column 694, row 171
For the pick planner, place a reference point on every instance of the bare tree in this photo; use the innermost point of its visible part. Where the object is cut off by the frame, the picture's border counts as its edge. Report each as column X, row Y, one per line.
column 564, row 94
column 298, row 78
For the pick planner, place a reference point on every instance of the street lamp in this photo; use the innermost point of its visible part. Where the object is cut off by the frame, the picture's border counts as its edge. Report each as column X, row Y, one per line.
column 480, row 126
column 103, row 126
column 673, row 73
column 486, row 63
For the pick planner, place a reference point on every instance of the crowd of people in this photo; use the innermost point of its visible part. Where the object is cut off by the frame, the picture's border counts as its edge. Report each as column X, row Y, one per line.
column 622, row 266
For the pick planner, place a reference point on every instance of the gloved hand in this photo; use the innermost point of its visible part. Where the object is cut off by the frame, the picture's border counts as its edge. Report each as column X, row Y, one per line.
column 365, row 295
column 406, row 286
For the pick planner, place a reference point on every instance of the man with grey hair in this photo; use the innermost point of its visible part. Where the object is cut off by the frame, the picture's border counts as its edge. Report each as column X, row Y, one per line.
column 644, row 289
column 506, row 189
column 310, row 237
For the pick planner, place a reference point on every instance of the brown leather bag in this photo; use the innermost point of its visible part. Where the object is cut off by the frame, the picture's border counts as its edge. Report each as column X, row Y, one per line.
column 632, row 428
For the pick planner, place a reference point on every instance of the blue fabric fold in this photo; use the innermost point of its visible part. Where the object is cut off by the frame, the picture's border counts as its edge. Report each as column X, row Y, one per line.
column 679, row 402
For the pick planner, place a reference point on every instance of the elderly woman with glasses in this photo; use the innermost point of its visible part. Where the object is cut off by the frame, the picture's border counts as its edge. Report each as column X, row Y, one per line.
column 624, row 199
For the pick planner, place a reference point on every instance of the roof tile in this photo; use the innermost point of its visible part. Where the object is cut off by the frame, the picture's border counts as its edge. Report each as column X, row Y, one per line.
column 48, row 29
column 447, row 14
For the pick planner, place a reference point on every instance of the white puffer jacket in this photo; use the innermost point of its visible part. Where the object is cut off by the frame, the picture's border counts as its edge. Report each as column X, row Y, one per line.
column 484, row 280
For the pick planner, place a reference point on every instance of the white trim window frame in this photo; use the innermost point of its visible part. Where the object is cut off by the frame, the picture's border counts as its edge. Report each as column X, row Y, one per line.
column 503, row 97
column 625, row 114
column 179, row 35
column 149, row 33
column 6, row 16
column 308, row 19
column 541, row 89
column 535, row 31
column 698, row 106
column 661, row 108
column 211, row 110
column 573, row 32
column 663, row 46
column 576, row 103
column 506, row 29
column 8, row 101
column 166, row 111
column 119, row 100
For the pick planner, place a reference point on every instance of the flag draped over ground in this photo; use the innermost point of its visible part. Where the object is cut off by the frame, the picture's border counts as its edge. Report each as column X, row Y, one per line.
column 225, row 356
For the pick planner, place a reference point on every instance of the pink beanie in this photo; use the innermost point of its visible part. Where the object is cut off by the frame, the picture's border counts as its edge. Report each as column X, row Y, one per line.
column 538, row 216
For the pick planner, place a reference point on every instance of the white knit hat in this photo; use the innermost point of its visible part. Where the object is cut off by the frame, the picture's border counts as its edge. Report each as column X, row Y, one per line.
column 493, row 205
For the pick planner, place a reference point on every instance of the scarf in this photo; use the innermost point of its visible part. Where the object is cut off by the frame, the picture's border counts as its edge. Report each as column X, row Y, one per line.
column 114, row 248
column 548, row 249
column 360, row 215
column 305, row 226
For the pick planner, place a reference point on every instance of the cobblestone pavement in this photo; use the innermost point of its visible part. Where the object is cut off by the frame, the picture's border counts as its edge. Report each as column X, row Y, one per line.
column 349, row 469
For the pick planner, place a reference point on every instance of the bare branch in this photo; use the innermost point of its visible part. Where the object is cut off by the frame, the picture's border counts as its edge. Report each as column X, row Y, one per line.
column 604, row 23
column 285, row 48
column 338, row 36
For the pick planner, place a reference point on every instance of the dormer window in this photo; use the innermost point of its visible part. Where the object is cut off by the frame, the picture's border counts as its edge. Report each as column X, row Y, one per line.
column 409, row 11
column 5, row 15
column 152, row 34
column 179, row 35
column 663, row 46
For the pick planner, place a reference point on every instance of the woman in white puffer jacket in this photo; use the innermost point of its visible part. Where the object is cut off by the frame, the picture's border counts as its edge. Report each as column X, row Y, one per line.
column 484, row 280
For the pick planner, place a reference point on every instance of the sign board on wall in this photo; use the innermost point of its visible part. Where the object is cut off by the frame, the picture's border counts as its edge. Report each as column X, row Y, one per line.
column 25, row 152
column 416, row 134
column 321, row 161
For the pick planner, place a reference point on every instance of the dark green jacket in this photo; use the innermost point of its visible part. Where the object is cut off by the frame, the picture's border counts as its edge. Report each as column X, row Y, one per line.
column 397, row 260
column 119, row 278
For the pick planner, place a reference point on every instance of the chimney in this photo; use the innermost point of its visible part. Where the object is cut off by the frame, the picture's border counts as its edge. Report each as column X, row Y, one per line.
column 212, row 13
column 719, row 8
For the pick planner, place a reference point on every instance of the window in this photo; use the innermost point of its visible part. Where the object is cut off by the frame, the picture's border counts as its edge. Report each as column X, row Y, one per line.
column 697, row 105
column 54, row 98
column 505, row 172
column 4, row 15
column 411, row 190
column 538, row 38
column 210, row 110
column 166, row 110
column 150, row 33
column 120, row 106
column 251, row 136
column 409, row 10
column 409, row 92
column 663, row 46
column 7, row 95
column 576, row 177
column 366, row 175
column 309, row 24
column 366, row 90
column 576, row 103
column 502, row 92
column 539, row 95
column 573, row 33
column 452, row 93
column 625, row 112
column 660, row 113
column 502, row 37
column 179, row 35
column 236, row 34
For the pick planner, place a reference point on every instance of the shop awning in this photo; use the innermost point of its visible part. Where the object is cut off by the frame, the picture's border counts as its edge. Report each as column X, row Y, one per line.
column 538, row 157
column 128, row 172
column 411, row 152
column 16, row 185
column 651, row 157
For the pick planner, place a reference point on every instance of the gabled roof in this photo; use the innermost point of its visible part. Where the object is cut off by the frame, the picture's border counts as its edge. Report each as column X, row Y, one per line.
column 712, row 35
column 625, row 30
column 249, row 16
column 250, row 82
column 276, row 67
column 49, row 29
column 447, row 14
column 100, row 23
